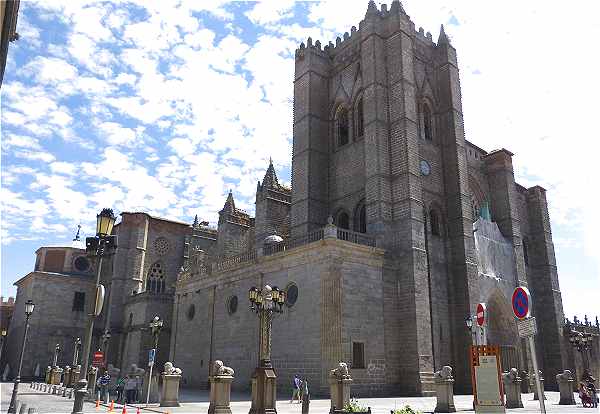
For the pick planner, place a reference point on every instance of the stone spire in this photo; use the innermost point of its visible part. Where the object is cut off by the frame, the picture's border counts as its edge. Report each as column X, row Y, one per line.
column 77, row 239
column 270, row 179
column 371, row 9
column 443, row 39
column 229, row 204
column 195, row 225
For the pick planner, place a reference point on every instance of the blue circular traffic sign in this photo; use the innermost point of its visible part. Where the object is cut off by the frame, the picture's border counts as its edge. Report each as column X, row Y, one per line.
column 521, row 302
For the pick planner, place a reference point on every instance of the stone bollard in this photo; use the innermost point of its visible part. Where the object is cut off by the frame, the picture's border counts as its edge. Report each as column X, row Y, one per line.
column 48, row 373
column 339, row 384
column 525, row 382
column 23, row 409
column 565, row 386
column 512, row 388
column 535, row 392
column 220, row 389
column 171, row 376
column 64, row 391
column 31, row 410
column 444, row 388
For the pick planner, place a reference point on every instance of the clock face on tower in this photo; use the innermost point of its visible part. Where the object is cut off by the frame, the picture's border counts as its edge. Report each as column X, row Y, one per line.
column 425, row 168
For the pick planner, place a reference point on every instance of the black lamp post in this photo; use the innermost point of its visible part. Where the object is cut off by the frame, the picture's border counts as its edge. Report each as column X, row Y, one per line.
column 2, row 344
column 101, row 245
column 156, row 326
column 105, row 340
column 582, row 341
column 56, row 352
column 76, row 352
column 29, row 306
column 265, row 303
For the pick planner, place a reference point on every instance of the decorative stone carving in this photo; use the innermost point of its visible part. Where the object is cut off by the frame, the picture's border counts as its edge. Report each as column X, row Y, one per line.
column 170, row 389
column 339, row 384
column 565, row 386
column 444, row 386
column 220, row 389
column 67, row 376
column 525, row 382
column 512, row 388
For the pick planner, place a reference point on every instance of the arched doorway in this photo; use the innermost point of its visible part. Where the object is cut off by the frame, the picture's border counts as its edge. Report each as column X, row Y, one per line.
column 502, row 330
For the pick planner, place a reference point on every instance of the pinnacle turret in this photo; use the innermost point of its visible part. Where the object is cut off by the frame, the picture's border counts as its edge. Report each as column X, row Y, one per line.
column 229, row 204
column 371, row 9
column 443, row 38
column 195, row 225
column 270, row 179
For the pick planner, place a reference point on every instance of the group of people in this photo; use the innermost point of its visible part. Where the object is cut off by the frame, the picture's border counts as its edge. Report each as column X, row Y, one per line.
column 127, row 388
column 300, row 390
column 588, row 391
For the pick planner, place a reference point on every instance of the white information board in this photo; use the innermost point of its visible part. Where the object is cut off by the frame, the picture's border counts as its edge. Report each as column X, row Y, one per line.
column 488, row 386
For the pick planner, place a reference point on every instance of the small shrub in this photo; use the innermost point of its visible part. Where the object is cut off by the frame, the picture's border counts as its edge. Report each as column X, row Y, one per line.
column 354, row 407
column 406, row 410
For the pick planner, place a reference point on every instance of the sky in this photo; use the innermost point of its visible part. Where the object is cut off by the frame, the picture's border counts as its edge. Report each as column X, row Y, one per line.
column 164, row 106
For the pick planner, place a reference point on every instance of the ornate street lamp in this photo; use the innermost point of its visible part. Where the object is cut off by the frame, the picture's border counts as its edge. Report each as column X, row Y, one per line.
column 105, row 339
column 469, row 323
column 2, row 344
column 76, row 352
column 156, row 326
column 265, row 303
column 582, row 341
column 29, row 306
column 56, row 352
column 101, row 245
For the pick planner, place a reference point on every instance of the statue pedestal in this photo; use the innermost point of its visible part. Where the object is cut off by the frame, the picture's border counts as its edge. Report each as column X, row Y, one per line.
column 91, row 382
column 565, row 386
column 74, row 376
column 154, row 397
column 512, row 388
column 48, row 375
column 264, row 391
column 169, row 396
column 340, row 392
column 56, row 376
column 444, row 389
column 67, row 376
column 220, row 394
column 535, row 391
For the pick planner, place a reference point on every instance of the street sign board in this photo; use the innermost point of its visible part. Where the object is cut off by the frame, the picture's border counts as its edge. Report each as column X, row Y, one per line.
column 98, row 359
column 151, row 357
column 521, row 302
column 486, row 378
column 527, row 327
column 481, row 314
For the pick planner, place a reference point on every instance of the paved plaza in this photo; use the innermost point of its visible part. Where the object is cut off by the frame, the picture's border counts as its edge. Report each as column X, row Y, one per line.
column 196, row 402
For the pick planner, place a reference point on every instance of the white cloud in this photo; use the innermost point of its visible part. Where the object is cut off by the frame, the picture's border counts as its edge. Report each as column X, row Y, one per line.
column 116, row 134
column 269, row 12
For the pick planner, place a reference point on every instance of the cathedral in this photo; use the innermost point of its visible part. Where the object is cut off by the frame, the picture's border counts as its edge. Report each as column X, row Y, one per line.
column 394, row 229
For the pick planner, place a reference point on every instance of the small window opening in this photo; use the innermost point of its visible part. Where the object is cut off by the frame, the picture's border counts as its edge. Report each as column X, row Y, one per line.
column 434, row 222
column 342, row 127
column 343, row 221
column 360, row 123
column 427, row 132
column 358, row 355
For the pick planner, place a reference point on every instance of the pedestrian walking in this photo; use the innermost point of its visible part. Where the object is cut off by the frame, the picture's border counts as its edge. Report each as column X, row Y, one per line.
column 119, row 385
column 102, row 384
column 130, row 387
column 296, row 388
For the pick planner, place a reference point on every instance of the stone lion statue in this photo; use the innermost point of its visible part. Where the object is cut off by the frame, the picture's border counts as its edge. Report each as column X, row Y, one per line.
column 566, row 375
column 445, row 373
column 171, row 370
column 512, row 375
column 341, row 371
column 220, row 369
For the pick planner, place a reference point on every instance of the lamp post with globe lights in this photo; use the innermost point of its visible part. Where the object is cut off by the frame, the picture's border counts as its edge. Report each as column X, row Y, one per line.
column 266, row 303
column 582, row 342
column 100, row 246
column 12, row 408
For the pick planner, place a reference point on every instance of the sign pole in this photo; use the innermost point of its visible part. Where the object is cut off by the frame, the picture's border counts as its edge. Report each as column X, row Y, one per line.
column 151, row 356
column 538, row 383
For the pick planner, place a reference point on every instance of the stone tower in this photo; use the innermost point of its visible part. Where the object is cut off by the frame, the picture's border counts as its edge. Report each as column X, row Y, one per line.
column 272, row 207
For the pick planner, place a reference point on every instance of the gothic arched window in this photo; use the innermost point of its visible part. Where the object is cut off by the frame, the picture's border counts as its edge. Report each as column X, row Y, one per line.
column 427, row 124
column 343, row 130
column 434, row 223
column 359, row 116
column 155, row 281
column 360, row 222
column 343, row 221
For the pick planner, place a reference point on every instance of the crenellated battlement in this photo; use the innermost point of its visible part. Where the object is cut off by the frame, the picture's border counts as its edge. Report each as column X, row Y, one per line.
column 386, row 22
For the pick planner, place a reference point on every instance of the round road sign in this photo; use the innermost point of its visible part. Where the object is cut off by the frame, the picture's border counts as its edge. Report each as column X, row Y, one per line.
column 481, row 314
column 521, row 302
